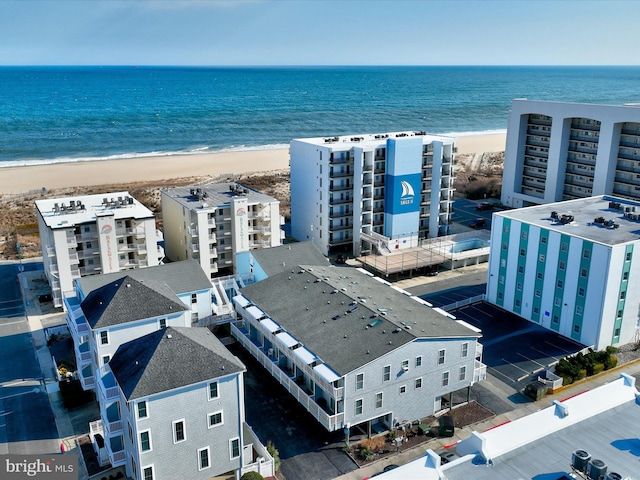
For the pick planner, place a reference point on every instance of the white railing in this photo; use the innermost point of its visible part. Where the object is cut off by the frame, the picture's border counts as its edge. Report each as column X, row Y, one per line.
column 462, row 303
column 479, row 372
column 87, row 382
column 330, row 422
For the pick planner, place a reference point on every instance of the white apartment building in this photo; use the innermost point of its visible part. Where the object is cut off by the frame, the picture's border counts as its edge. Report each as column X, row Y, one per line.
column 353, row 349
column 570, row 267
column 218, row 224
column 562, row 151
column 351, row 192
column 93, row 234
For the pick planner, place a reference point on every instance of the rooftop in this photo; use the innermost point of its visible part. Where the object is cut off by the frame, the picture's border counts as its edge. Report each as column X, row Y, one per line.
column 347, row 317
column 68, row 211
column 171, row 358
column 282, row 258
column 602, row 422
column 215, row 195
column 181, row 277
column 372, row 139
column 125, row 300
column 603, row 219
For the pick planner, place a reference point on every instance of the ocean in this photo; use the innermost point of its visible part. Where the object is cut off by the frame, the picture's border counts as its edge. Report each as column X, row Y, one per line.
column 62, row 114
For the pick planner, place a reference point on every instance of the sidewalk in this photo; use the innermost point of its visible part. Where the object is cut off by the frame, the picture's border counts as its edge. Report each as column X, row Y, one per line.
column 520, row 410
column 38, row 321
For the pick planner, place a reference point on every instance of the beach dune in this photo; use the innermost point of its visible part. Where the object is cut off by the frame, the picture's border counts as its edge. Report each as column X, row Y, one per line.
column 76, row 174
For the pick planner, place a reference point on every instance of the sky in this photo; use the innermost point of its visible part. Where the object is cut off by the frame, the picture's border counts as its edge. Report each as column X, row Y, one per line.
column 319, row 32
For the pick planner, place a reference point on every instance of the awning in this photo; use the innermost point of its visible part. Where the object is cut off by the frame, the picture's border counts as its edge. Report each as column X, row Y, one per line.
column 326, row 373
column 254, row 312
column 287, row 339
column 270, row 325
column 305, row 355
column 241, row 300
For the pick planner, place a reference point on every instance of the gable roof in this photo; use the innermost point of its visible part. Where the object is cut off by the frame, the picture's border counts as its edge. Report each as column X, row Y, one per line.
column 125, row 300
column 347, row 317
column 181, row 277
column 171, row 358
column 285, row 257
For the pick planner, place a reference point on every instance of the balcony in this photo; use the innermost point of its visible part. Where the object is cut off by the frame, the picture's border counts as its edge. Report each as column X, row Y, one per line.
column 340, row 200
column 76, row 321
column 71, row 241
column 479, row 371
column 340, row 174
column 213, row 238
column 51, row 252
column 115, row 448
column 213, row 252
column 126, row 247
column 132, row 263
column 107, row 386
column 331, row 422
column 86, row 237
column 83, row 354
column 211, row 222
column 193, row 231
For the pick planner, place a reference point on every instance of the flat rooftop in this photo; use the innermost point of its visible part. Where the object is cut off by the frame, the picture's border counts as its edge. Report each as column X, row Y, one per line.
column 372, row 139
column 621, row 217
column 67, row 211
column 215, row 195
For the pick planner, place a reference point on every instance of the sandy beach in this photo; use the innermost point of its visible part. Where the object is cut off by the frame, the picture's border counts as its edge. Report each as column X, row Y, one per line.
column 75, row 174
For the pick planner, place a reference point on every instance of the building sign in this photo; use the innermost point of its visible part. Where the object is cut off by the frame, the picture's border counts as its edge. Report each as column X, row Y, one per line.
column 402, row 193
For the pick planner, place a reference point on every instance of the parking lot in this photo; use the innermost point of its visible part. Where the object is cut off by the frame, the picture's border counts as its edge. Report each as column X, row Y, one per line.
column 515, row 350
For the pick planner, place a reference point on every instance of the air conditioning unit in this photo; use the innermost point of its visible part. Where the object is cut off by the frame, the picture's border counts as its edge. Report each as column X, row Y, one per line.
column 270, row 352
column 405, row 368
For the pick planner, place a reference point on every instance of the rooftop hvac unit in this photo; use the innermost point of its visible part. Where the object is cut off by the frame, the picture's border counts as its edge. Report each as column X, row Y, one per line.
column 564, row 219
column 596, row 469
column 580, row 459
column 599, row 220
column 554, row 215
column 613, row 476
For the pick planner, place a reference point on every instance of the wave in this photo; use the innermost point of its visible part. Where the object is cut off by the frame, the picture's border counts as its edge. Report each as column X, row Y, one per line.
column 132, row 155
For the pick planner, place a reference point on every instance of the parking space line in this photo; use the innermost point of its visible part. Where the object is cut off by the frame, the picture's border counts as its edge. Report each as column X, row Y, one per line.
column 500, row 373
column 513, row 364
column 530, row 359
column 559, row 348
column 545, row 353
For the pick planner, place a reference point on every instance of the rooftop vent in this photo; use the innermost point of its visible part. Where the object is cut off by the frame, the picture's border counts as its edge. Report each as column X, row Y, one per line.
column 596, row 469
column 614, row 205
column 554, row 215
column 579, row 460
column 565, row 219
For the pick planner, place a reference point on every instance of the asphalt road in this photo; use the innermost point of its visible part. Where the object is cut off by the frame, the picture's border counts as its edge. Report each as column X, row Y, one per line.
column 27, row 424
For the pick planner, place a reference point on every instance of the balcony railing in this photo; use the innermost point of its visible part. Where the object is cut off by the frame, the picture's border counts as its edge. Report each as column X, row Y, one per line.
column 479, row 372
column 213, row 238
column 330, row 422
column 107, row 387
column 116, row 458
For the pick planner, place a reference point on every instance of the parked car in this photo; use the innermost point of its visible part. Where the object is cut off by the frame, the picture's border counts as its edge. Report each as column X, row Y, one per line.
column 478, row 223
column 484, row 206
column 341, row 259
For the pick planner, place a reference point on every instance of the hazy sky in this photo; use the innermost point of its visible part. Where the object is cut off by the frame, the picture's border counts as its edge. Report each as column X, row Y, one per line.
column 320, row 32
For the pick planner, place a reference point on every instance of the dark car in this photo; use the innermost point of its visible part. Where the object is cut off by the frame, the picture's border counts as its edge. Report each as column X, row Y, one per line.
column 478, row 223
column 484, row 206
column 341, row 259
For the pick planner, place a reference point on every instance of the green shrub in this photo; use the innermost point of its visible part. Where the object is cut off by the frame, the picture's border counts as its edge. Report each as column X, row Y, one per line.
column 366, row 454
column 597, row 368
column 585, row 365
column 611, row 362
column 611, row 350
column 273, row 451
column 252, row 476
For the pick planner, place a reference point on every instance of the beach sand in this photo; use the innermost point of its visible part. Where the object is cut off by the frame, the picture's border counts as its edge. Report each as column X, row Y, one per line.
column 77, row 174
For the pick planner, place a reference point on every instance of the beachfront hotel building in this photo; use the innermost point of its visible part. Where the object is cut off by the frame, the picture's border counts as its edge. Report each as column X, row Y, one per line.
column 93, row 234
column 218, row 224
column 353, row 349
column 349, row 193
column 572, row 267
column 562, row 151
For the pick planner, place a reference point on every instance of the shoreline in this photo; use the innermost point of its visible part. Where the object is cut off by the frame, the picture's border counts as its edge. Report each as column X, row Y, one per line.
column 22, row 179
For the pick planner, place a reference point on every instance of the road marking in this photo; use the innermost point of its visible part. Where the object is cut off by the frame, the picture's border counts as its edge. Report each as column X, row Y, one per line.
column 12, row 323
column 530, row 359
column 544, row 353
column 33, row 390
column 513, row 364
column 559, row 348
column 500, row 373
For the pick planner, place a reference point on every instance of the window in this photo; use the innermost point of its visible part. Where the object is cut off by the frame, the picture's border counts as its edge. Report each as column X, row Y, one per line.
column 464, row 350
column 521, row 269
column 576, row 328
column 586, row 253
column 215, row 419
column 539, row 275
column 441, row 356
column 559, row 284
column 625, row 275
column 163, row 323
column 622, row 295
column 555, row 320
column 561, row 265
column 379, row 400
column 541, row 257
column 106, row 359
column 583, row 272
column 505, row 229
column 519, row 286
column 504, row 245
column 359, row 381
column 445, row 379
column 358, row 406
column 517, row 303
column 619, row 315
column 213, row 390
column 543, row 239
column 147, row 473
column 503, row 262
column 194, row 298
column 145, row 441
column 616, row 332
column 104, row 338
column 536, row 310
column 500, row 295
column 405, row 365
column 522, row 252
column 386, row 373
column 418, row 360
column 563, row 246
column 203, row 458
column 179, row 434
column 403, row 389
column 142, row 410
column 463, row 373
column 581, row 291
column 578, row 310
column 627, row 258
column 501, row 280
column 538, row 293
column 234, row 448
column 523, row 234
column 418, row 382
column 557, row 301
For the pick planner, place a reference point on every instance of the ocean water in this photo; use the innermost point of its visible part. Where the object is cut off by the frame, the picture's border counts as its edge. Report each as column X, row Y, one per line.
column 55, row 114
